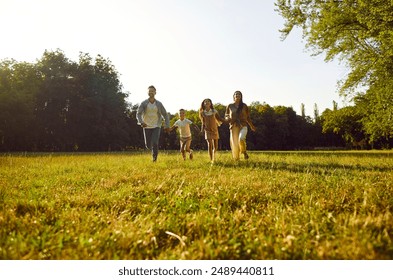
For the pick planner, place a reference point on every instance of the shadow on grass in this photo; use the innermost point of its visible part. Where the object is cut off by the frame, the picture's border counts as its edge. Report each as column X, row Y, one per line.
column 319, row 168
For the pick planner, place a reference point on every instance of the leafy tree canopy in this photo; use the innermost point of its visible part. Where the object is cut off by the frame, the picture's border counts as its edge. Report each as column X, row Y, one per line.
column 358, row 33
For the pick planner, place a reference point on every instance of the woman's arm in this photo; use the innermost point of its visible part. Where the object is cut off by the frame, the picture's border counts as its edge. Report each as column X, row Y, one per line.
column 248, row 118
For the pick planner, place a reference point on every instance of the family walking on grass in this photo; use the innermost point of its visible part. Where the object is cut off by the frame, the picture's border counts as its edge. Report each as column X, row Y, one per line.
column 151, row 112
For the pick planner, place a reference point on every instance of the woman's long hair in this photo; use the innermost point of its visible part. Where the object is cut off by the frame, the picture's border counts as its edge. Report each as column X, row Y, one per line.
column 240, row 108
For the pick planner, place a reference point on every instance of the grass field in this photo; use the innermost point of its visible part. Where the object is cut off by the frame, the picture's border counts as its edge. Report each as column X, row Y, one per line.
column 278, row 205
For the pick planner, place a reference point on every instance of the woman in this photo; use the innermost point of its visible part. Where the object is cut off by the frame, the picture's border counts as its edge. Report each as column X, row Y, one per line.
column 238, row 116
column 210, row 121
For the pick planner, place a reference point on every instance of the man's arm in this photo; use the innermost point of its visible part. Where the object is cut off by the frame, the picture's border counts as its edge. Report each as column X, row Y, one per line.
column 139, row 115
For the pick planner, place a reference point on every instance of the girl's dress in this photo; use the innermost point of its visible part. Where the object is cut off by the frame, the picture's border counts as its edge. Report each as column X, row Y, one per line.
column 211, row 124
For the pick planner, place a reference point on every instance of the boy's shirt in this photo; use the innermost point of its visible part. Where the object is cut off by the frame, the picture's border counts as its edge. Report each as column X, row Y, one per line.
column 184, row 127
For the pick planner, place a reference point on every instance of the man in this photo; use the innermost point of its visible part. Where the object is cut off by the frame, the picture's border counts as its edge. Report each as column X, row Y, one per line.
column 150, row 114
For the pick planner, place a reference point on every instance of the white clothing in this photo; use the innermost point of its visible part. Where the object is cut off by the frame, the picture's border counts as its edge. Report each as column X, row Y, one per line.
column 210, row 112
column 184, row 127
column 238, row 140
column 151, row 115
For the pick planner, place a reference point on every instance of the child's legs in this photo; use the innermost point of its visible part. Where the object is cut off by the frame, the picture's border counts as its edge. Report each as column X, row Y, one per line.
column 210, row 147
column 215, row 147
column 185, row 144
column 188, row 148
column 242, row 139
column 182, row 148
column 234, row 141
column 188, row 145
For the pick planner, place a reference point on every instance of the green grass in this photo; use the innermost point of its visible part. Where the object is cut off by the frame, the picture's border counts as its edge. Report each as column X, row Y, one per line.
column 278, row 205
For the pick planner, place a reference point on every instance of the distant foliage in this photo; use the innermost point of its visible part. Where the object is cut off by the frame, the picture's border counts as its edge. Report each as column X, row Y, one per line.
column 278, row 128
column 359, row 34
column 60, row 105
column 57, row 104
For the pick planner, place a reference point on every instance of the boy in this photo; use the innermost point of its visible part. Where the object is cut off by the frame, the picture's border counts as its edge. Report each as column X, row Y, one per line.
column 184, row 126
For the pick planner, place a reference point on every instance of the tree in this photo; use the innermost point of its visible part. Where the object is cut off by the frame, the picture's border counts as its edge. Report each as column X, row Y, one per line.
column 303, row 110
column 53, row 100
column 105, row 109
column 263, row 117
column 135, row 131
column 358, row 33
column 19, row 84
column 377, row 107
column 346, row 122
column 316, row 114
column 43, row 106
column 80, row 106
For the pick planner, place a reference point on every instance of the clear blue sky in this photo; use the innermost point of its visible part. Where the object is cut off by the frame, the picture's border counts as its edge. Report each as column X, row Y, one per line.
column 188, row 49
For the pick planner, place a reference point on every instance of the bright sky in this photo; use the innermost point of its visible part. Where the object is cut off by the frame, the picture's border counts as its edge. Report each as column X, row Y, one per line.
column 188, row 49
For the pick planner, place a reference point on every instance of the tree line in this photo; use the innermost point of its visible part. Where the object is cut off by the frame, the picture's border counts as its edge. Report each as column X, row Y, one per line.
column 58, row 105
column 359, row 33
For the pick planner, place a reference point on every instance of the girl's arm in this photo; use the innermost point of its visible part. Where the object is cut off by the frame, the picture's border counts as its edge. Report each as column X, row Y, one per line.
column 202, row 120
column 218, row 118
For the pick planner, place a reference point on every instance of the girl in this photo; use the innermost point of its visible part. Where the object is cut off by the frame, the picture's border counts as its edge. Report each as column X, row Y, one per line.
column 210, row 121
column 238, row 116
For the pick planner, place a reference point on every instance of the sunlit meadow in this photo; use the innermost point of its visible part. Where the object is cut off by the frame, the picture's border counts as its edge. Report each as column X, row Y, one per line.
column 277, row 205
